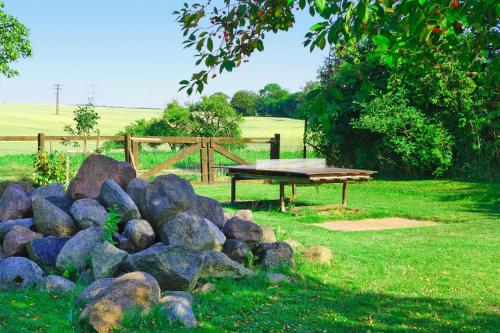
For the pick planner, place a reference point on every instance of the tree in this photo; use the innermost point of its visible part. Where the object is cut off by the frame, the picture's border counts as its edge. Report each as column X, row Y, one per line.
column 272, row 101
column 226, row 33
column 14, row 43
column 244, row 101
column 85, row 119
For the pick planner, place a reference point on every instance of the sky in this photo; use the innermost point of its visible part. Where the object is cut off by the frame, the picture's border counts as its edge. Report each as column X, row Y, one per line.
column 130, row 51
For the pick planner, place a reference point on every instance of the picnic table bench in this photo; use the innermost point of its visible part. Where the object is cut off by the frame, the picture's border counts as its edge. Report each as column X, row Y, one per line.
column 293, row 172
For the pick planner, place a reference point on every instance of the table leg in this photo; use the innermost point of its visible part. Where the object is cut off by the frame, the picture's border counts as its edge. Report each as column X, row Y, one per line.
column 282, row 197
column 344, row 194
column 233, row 190
column 294, row 191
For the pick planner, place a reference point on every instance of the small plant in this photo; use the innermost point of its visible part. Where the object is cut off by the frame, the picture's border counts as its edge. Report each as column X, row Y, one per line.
column 249, row 260
column 86, row 118
column 111, row 225
column 49, row 168
column 70, row 272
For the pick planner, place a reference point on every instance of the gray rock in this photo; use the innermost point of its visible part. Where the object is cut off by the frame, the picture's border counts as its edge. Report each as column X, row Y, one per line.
column 14, row 243
column 76, row 252
column 135, row 189
column 113, row 196
column 44, row 251
column 49, row 190
column 164, row 198
column 268, row 234
column 236, row 250
column 14, row 204
column 19, row 272
column 94, row 171
column 106, row 260
column 178, row 306
column 61, row 202
column 123, row 243
column 211, row 210
column 140, row 233
column 227, row 216
column 275, row 254
column 89, row 293
column 2, row 257
column 133, row 290
column 243, row 230
column 51, row 220
column 217, row 264
column 245, row 214
column 173, row 267
column 193, row 232
column 25, row 186
column 88, row 213
column 276, row 278
column 57, row 284
column 6, row 226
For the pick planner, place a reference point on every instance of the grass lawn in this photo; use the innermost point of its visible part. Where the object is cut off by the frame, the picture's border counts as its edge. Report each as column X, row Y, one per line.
column 435, row 279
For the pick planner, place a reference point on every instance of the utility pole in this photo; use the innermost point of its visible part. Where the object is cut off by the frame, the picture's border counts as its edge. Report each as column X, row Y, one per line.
column 58, row 88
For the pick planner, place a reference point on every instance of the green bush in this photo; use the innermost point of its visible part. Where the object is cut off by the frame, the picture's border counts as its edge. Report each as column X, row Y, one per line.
column 49, row 168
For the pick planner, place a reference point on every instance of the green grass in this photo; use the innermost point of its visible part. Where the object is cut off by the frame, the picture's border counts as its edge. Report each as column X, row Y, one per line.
column 435, row 279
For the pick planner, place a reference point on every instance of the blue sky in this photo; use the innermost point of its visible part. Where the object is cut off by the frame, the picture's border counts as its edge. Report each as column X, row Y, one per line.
column 132, row 52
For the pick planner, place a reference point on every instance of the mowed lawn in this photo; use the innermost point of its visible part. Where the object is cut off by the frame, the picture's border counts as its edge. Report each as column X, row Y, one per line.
column 443, row 278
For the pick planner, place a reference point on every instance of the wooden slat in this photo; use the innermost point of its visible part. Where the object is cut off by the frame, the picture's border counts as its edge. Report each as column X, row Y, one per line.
column 243, row 140
column 19, row 138
column 82, row 137
column 166, row 139
column 228, row 154
column 171, row 161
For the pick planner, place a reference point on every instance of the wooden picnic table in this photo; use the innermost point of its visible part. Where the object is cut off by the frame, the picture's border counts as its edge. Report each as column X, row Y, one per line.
column 297, row 175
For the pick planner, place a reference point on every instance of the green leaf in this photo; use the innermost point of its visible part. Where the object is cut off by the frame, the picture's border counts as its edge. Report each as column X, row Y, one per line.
column 320, row 5
column 422, row 2
column 210, row 44
column 381, row 41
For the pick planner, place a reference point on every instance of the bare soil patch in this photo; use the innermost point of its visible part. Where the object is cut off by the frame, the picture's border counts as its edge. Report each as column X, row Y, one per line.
column 376, row 224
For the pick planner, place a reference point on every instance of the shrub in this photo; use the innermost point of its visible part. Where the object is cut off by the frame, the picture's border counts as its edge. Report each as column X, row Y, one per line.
column 49, row 168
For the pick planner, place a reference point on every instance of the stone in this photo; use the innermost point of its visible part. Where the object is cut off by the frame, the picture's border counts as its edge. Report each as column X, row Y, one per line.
column 6, row 226
column 49, row 190
column 227, row 216
column 244, row 214
column 94, row 171
column 91, row 292
column 88, row 213
column 276, row 278
column 174, row 268
column 114, row 197
column 14, row 243
column 140, row 233
column 122, row 242
column 77, row 250
column 236, row 250
column 136, row 290
column 275, row 255
column 2, row 257
column 295, row 245
column 268, row 234
column 219, row 265
column 57, row 284
column 106, row 260
column 192, row 231
column 205, row 288
column 318, row 254
column 51, row 220
column 14, row 204
column 211, row 210
column 164, row 198
column 25, row 186
column 44, row 251
column 178, row 306
column 135, row 189
column 61, row 202
column 243, row 230
column 19, row 272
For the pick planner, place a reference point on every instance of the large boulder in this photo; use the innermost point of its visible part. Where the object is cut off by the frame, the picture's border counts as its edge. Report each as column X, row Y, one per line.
column 174, row 268
column 211, row 210
column 243, row 230
column 106, row 260
column 14, row 243
column 14, row 204
column 140, row 233
column 192, row 231
column 44, row 251
column 164, row 198
column 61, row 202
column 178, row 306
column 136, row 290
column 19, row 272
column 6, row 226
column 77, row 250
column 218, row 264
column 135, row 189
column 236, row 250
column 26, row 186
column 271, row 255
column 113, row 196
column 91, row 292
column 49, row 190
column 88, row 213
column 51, row 220
column 57, row 284
column 94, row 171
column 123, row 243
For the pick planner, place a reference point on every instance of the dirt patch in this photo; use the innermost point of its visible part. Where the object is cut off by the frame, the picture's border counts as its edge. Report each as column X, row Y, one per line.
column 376, row 224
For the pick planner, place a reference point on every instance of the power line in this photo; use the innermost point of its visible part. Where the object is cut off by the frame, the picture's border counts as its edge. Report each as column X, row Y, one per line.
column 57, row 88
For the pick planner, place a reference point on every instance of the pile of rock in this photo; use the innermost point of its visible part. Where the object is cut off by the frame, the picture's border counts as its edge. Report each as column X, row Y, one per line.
column 169, row 240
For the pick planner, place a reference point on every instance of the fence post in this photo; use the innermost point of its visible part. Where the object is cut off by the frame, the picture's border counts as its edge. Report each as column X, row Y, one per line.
column 135, row 153
column 211, row 174
column 305, row 138
column 275, row 147
column 127, row 143
column 203, row 160
column 41, row 142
